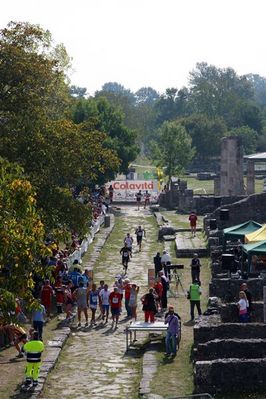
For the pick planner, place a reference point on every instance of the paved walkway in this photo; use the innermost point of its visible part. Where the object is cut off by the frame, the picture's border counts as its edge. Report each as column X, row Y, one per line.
column 93, row 363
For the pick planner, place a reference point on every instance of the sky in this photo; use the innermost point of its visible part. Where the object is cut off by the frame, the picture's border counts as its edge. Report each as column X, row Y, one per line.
column 145, row 43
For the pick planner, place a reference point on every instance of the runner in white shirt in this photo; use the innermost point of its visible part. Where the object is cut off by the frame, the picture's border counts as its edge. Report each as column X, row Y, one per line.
column 129, row 241
column 104, row 295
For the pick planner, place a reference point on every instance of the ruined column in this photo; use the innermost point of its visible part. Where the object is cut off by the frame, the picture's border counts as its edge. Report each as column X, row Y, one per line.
column 231, row 176
column 250, row 177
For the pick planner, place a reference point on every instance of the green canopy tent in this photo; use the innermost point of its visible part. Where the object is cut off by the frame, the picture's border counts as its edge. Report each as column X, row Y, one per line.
column 254, row 248
column 239, row 231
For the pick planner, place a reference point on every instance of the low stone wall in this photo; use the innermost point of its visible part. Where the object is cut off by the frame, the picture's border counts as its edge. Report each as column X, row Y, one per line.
column 229, row 313
column 228, row 288
column 231, row 375
column 205, row 333
column 252, row 207
column 231, row 348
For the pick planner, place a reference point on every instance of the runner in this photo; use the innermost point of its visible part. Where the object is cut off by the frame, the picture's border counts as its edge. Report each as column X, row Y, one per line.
column 81, row 296
column 104, row 294
column 115, row 303
column 140, row 233
column 129, row 241
column 101, row 287
column 147, row 197
column 138, row 198
column 93, row 303
column 126, row 255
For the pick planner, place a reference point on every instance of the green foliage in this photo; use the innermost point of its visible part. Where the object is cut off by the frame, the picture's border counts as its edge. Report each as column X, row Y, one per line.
column 99, row 115
column 35, row 131
column 21, row 237
column 173, row 150
column 249, row 138
column 221, row 92
column 203, row 131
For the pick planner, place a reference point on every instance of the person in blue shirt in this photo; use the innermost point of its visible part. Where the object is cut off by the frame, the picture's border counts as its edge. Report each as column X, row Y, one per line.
column 38, row 316
column 75, row 277
column 93, row 302
column 86, row 277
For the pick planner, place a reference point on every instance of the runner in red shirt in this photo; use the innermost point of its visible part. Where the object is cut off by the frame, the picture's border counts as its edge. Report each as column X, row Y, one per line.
column 46, row 297
column 115, row 303
column 193, row 223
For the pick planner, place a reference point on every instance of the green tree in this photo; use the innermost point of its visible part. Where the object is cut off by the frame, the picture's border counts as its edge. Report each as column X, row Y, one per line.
column 146, row 95
column 21, row 238
column 35, row 131
column 203, row 131
column 173, row 150
column 249, row 138
column 221, row 92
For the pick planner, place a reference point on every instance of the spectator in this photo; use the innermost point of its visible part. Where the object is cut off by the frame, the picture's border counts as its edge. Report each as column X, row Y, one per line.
column 193, row 223
column 38, row 316
column 127, row 288
column 157, row 263
column 149, row 306
column 159, row 293
column 172, row 331
column 165, row 261
column 194, row 294
column 33, row 349
column 46, row 297
column 75, row 275
column 59, row 295
column 195, row 268
column 242, row 307
column 133, row 301
column 165, row 284
column 245, row 289
column 86, row 277
column 69, row 302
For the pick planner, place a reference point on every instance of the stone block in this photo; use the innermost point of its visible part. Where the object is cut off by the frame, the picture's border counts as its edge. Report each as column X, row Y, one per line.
column 229, row 313
column 230, row 375
column 231, row 348
column 204, row 332
column 228, row 289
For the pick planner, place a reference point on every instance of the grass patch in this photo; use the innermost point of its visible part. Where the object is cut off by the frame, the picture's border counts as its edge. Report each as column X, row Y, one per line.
column 179, row 372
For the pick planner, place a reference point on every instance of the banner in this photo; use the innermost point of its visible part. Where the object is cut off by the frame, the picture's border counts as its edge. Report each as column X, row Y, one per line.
column 126, row 190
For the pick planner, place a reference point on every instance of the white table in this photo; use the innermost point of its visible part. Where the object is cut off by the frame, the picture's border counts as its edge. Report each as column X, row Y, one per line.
column 157, row 326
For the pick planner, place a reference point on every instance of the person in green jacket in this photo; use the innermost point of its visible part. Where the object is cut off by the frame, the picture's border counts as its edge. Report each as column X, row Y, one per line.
column 194, row 294
column 33, row 349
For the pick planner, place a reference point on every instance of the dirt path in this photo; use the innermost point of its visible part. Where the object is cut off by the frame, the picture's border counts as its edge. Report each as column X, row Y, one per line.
column 93, row 363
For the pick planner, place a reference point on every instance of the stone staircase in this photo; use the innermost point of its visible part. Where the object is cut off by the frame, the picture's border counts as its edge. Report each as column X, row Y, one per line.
column 230, row 357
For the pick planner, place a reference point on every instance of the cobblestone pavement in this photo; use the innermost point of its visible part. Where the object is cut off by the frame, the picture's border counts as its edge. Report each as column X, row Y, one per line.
column 93, row 363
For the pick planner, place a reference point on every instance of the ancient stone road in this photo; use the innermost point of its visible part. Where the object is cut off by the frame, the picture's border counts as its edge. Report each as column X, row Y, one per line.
column 93, row 363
